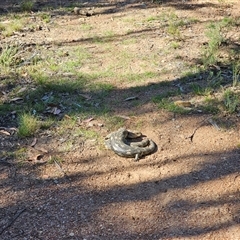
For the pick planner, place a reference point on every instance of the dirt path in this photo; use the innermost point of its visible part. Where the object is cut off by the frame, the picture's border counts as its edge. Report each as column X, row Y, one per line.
column 188, row 189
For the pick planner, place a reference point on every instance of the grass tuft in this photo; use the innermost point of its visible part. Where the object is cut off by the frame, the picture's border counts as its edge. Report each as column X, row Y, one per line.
column 27, row 5
column 7, row 56
column 236, row 74
column 216, row 33
column 7, row 29
column 230, row 100
column 28, row 125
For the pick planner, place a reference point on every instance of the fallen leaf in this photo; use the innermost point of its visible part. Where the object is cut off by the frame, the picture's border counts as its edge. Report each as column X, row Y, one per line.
column 47, row 96
column 5, row 132
column 41, row 149
column 90, row 124
column 22, row 90
column 53, row 110
column 67, row 116
column 56, row 111
column 86, row 96
column 12, row 129
column 34, row 154
column 88, row 120
column 78, row 105
column 131, row 98
column 25, row 74
column 34, row 142
column 183, row 103
column 217, row 67
column 124, row 117
column 16, row 100
column 36, row 157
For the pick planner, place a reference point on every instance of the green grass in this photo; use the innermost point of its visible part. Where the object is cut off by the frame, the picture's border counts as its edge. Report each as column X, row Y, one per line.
column 46, row 17
column 133, row 77
column 231, row 101
column 28, row 125
column 215, row 39
column 55, row 159
column 67, row 61
column 152, row 18
column 21, row 155
column 61, row 73
column 14, row 25
column 166, row 94
column 98, row 39
column 113, row 122
column 172, row 23
column 175, row 45
column 214, row 80
column 217, row 35
column 27, row 5
column 169, row 105
column 59, row 84
column 129, row 41
column 199, row 90
column 86, row 27
column 102, row 87
column 61, row 61
column 173, row 30
column 67, row 124
column 210, row 105
column 236, row 73
column 8, row 56
column 164, row 101
column 89, row 134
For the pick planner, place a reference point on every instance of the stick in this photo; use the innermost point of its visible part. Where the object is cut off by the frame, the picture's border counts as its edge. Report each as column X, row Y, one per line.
column 13, row 220
column 5, row 163
column 59, row 167
column 200, row 125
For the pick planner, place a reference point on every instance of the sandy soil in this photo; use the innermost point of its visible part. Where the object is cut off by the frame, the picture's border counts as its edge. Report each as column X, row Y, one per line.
column 188, row 189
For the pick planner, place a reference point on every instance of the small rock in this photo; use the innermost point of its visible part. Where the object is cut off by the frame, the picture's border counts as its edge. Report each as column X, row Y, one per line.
column 76, row 10
column 91, row 124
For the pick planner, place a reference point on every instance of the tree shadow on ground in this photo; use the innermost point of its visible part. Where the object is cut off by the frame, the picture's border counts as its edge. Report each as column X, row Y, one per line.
column 80, row 94
column 178, row 217
column 97, row 209
column 99, row 203
column 178, row 214
column 75, row 97
column 13, row 6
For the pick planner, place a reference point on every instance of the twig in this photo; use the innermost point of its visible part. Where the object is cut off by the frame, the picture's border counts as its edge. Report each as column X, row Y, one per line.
column 4, row 162
column 11, row 170
column 124, row 117
column 59, row 167
column 28, row 60
column 131, row 98
column 200, row 125
column 214, row 124
column 13, row 220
